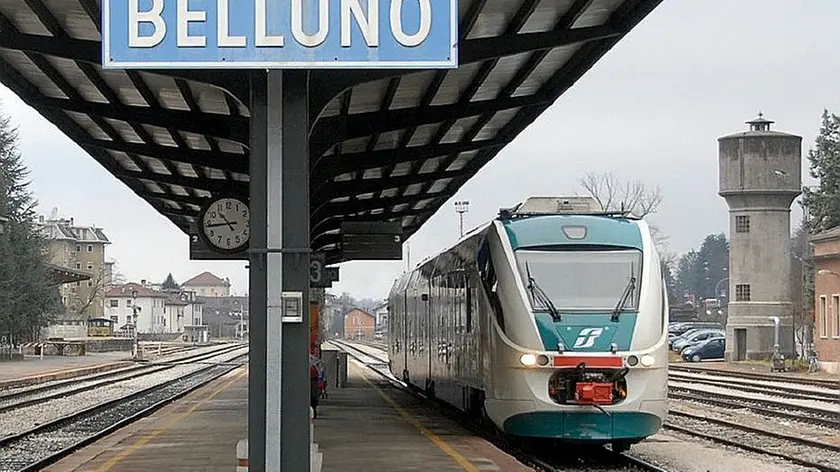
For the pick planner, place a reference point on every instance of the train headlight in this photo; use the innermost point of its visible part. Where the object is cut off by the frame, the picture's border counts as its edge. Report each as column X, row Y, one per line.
column 648, row 360
column 542, row 359
column 632, row 361
column 528, row 359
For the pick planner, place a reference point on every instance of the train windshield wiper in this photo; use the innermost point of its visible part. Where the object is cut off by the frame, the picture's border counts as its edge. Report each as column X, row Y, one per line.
column 540, row 296
column 628, row 291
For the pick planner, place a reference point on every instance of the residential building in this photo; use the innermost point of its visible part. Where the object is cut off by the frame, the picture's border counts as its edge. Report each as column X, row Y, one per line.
column 80, row 248
column 381, row 314
column 359, row 324
column 226, row 317
column 827, row 298
column 184, row 313
column 206, row 284
column 121, row 301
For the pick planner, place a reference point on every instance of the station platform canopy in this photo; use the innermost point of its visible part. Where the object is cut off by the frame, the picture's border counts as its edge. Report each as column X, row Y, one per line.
column 385, row 145
column 58, row 275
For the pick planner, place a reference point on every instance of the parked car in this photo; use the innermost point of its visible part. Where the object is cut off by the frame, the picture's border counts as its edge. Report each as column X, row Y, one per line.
column 682, row 328
column 712, row 348
column 700, row 335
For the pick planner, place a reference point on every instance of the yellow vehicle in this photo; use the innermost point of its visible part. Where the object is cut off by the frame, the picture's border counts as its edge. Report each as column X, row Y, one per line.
column 100, row 328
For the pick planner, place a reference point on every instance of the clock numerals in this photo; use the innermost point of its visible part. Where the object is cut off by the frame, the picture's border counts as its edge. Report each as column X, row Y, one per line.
column 226, row 224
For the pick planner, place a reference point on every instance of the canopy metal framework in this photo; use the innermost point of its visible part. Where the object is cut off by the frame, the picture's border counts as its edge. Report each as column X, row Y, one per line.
column 385, row 145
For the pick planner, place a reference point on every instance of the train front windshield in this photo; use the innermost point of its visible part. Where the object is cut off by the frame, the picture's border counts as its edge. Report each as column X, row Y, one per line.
column 581, row 280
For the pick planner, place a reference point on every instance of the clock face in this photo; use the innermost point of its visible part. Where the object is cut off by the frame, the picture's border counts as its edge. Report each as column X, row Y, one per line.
column 227, row 224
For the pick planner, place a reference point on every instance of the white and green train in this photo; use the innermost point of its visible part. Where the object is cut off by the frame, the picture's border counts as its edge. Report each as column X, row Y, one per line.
column 550, row 321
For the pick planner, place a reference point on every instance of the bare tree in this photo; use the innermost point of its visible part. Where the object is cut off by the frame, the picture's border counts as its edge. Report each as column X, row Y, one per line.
column 94, row 293
column 634, row 196
column 614, row 194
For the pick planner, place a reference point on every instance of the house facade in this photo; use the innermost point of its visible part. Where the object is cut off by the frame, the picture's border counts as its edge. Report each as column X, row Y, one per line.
column 82, row 249
column 175, row 311
column 827, row 298
column 381, row 314
column 206, row 284
column 359, row 325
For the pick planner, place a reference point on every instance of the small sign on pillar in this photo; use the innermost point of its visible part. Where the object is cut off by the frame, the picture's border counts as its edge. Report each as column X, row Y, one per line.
column 292, row 307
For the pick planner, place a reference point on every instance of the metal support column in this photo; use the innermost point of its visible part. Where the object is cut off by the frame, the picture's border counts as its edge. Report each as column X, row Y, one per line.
column 278, row 418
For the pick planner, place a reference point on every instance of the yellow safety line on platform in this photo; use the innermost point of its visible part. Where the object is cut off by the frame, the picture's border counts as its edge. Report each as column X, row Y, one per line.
column 461, row 460
column 145, row 439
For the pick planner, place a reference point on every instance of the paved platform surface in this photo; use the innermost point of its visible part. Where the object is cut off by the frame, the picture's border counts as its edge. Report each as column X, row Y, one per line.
column 34, row 365
column 366, row 426
column 369, row 426
column 197, row 433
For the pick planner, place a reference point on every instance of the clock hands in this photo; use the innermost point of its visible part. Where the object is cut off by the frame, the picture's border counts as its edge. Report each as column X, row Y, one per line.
column 226, row 221
column 216, row 225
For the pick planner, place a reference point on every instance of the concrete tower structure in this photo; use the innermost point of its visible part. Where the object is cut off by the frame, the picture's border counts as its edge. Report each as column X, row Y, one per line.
column 760, row 177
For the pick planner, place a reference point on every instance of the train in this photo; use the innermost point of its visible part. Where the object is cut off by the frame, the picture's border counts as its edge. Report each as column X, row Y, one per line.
column 549, row 321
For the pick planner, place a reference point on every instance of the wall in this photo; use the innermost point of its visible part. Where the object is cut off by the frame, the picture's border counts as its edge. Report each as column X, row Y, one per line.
column 64, row 331
column 826, row 338
column 358, row 324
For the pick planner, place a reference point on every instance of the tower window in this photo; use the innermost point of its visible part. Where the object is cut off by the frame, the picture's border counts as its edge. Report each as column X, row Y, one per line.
column 742, row 224
column 742, row 293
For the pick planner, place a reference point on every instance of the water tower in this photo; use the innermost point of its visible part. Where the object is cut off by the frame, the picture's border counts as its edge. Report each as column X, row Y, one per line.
column 760, row 176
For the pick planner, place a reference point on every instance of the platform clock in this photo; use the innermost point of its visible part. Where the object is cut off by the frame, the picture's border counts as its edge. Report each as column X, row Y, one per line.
column 225, row 224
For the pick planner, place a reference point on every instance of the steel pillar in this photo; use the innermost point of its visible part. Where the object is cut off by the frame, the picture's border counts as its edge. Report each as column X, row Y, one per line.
column 279, row 262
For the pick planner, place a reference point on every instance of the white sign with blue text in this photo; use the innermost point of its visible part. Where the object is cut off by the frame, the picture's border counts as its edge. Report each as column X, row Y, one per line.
column 279, row 34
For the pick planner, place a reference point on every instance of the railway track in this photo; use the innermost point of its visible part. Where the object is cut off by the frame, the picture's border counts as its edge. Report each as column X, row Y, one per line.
column 802, row 451
column 558, row 460
column 754, row 376
column 47, row 443
column 53, row 390
column 767, row 407
column 774, row 388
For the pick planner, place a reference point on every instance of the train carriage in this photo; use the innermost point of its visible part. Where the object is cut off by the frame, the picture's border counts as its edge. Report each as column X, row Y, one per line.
column 549, row 321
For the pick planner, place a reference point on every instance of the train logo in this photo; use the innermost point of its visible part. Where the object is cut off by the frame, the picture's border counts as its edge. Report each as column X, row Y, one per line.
column 587, row 336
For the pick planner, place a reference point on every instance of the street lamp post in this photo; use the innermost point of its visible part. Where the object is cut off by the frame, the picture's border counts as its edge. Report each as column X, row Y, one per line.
column 135, row 348
column 462, row 207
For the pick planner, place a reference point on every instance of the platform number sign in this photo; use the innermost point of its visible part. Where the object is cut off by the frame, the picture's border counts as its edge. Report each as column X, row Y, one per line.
column 317, row 263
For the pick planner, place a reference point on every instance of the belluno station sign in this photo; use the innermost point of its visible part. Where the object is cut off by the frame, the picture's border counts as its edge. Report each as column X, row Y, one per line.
column 279, row 34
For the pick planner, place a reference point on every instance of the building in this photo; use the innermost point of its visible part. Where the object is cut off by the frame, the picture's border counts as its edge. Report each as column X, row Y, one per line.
column 381, row 314
column 359, row 324
column 184, row 313
column 174, row 311
column 760, row 176
column 827, row 298
column 226, row 317
column 80, row 248
column 206, row 284
column 120, row 304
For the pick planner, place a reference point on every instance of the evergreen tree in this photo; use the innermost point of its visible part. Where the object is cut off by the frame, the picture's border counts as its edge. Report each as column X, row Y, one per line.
column 702, row 272
column 26, row 297
column 823, row 204
column 169, row 283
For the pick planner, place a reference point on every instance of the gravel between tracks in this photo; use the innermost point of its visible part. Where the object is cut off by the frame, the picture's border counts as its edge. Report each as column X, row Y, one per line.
column 682, row 453
column 22, row 419
column 778, row 445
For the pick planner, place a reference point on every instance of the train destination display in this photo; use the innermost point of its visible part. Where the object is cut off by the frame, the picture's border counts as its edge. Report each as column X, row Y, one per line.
column 279, row 34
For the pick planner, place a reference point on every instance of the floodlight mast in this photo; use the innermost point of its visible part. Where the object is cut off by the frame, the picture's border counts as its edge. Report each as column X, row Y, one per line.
column 462, row 207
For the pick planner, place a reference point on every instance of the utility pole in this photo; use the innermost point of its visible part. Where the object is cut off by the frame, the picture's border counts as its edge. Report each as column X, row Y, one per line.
column 462, row 207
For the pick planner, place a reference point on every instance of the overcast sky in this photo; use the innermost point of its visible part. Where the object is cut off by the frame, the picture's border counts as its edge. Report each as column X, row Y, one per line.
column 651, row 109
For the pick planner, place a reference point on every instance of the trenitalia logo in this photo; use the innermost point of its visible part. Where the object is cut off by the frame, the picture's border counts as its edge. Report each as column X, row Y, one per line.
column 587, row 337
